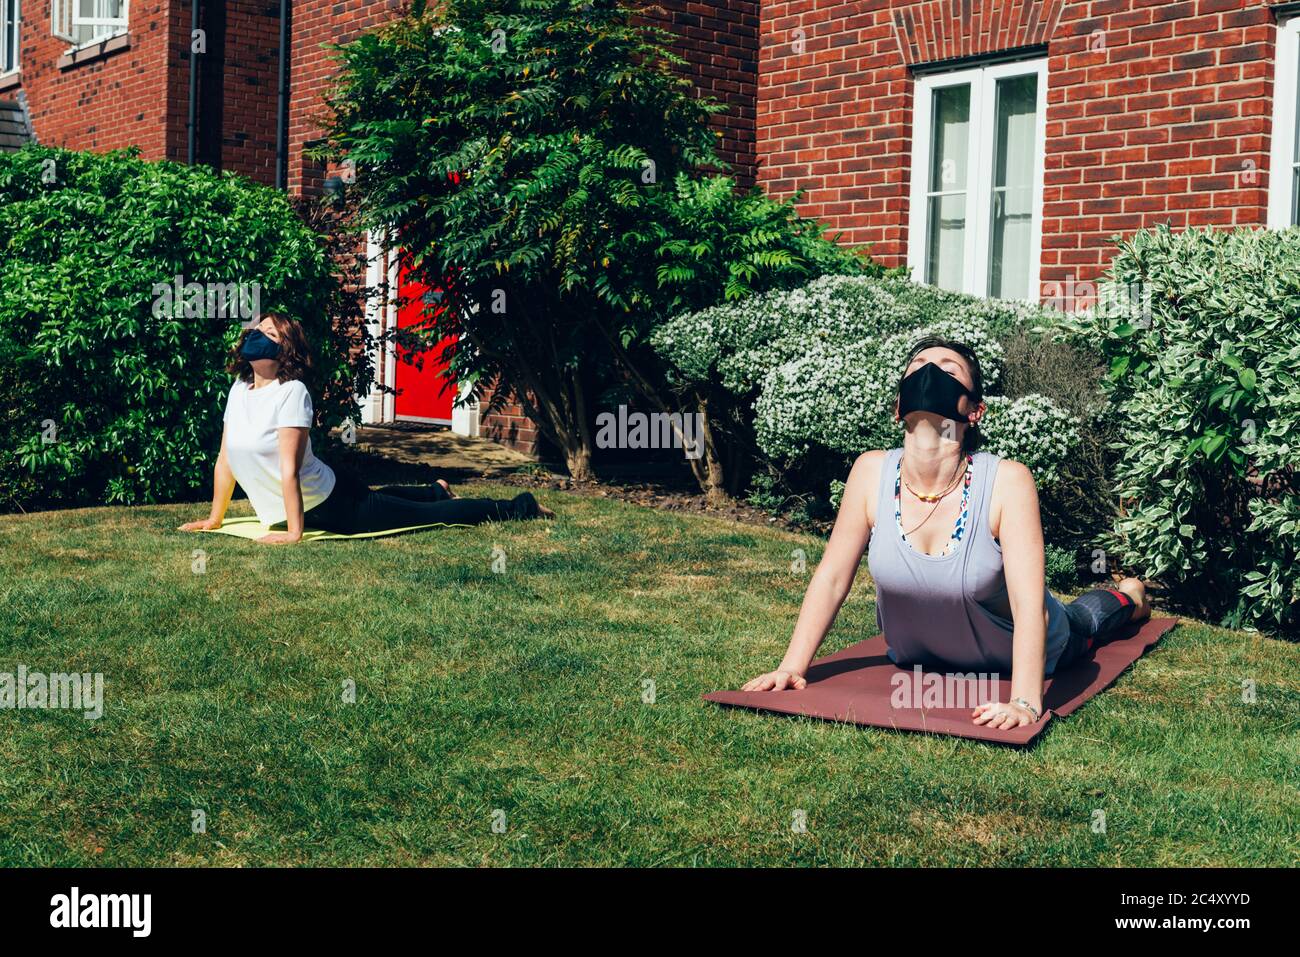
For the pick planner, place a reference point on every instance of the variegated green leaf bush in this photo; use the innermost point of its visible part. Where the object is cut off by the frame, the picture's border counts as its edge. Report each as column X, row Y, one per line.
column 1201, row 330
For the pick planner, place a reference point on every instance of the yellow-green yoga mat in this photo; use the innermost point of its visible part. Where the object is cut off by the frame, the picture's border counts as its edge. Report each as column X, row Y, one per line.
column 247, row 526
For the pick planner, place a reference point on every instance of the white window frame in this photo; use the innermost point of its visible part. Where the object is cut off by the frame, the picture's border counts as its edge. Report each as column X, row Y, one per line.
column 1282, row 159
column 10, row 36
column 65, row 18
column 979, row 182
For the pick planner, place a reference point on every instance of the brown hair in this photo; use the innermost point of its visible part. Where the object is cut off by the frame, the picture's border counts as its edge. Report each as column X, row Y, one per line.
column 295, row 354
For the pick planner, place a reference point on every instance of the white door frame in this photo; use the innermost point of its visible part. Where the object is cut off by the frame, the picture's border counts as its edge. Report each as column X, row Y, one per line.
column 1281, row 156
column 383, row 266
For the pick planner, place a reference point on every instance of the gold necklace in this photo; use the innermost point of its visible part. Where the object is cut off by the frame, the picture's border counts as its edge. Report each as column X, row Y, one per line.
column 934, row 498
column 961, row 466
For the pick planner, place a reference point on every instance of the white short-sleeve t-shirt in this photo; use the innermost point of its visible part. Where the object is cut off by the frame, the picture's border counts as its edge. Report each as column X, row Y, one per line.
column 253, row 418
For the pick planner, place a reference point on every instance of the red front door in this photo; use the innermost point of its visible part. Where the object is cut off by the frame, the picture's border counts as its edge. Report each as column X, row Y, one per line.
column 424, row 394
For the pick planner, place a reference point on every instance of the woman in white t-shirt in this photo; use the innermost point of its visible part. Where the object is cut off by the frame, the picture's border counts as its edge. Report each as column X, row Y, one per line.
column 266, row 448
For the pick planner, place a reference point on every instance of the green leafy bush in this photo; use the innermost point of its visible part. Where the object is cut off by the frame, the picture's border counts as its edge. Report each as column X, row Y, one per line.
column 1060, row 568
column 765, row 495
column 1199, row 332
column 93, row 340
column 20, row 417
column 1081, row 503
column 717, row 243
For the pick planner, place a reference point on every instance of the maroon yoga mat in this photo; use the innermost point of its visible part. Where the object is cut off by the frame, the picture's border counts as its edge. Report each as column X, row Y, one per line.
column 856, row 685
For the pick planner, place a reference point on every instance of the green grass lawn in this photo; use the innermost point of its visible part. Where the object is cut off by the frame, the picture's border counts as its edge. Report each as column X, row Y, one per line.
column 516, row 698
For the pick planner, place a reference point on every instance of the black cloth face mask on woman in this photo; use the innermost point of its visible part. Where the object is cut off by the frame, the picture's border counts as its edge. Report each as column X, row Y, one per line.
column 931, row 389
column 257, row 345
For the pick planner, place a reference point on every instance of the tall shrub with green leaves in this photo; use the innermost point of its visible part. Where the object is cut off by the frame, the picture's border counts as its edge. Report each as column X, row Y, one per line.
column 719, row 244
column 543, row 161
column 119, row 382
column 516, row 149
column 1199, row 330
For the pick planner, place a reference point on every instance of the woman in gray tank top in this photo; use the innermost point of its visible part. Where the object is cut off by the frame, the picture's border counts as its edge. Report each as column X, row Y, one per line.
column 954, row 543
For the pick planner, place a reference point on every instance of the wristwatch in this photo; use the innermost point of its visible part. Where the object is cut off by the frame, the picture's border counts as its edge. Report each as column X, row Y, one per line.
column 1027, row 706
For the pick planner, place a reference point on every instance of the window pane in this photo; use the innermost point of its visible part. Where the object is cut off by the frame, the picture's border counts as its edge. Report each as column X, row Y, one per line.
column 1295, row 196
column 1010, row 245
column 946, row 256
column 62, row 18
column 946, row 213
column 949, row 134
column 8, row 35
column 93, row 19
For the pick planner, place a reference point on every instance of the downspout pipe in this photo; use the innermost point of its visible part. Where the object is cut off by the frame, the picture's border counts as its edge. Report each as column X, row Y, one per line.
column 191, row 125
column 282, row 106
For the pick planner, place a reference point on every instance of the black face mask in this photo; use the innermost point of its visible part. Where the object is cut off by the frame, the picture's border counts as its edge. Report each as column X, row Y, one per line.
column 931, row 389
column 257, row 345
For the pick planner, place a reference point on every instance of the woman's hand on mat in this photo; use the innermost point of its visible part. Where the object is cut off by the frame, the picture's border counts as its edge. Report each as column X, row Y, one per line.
column 1002, row 716
column 280, row 538
column 777, row 681
column 202, row 525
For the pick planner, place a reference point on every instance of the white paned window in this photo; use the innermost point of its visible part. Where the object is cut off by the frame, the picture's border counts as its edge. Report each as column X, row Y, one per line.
column 1284, row 175
column 977, row 179
column 9, row 19
column 87, row 21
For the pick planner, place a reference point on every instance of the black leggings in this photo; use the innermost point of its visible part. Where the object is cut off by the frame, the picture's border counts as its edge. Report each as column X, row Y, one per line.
column 352, row 508
column 1095, row 617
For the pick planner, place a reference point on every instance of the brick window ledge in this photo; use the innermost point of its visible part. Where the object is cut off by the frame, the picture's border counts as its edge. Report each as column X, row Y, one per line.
column 94, row 51
column 10, row 80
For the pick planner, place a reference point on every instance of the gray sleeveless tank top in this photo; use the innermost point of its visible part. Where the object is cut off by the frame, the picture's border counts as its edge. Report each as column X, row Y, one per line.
column 949, row 611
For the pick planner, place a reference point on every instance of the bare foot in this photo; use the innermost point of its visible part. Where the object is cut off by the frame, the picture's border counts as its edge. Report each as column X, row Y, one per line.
column 446, row 488
column 1134, row 588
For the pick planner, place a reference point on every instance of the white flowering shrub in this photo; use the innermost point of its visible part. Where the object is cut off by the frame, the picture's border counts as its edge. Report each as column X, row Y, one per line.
column 1031, row 429
column 821, row 365
column 738, row 343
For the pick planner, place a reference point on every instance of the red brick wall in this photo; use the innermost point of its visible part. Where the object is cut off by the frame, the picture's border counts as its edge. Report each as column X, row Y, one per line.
column 1157, row 112
column 311, row 68
column 139, row 96
column 250, row 74
column 509, row 425
column 719, row 41
column 1167, row 122
column 126, row 98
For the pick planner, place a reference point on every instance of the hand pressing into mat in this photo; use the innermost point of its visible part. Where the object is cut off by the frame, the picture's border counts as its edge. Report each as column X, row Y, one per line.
column 1002, row 716
column 202, row 525
column 777, row 681
column 280, row 538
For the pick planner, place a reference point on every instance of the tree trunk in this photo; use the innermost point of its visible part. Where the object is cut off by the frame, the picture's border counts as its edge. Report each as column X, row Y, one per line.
column 707, row 470
column 715, row 486
column 573, row 441
column 715, row 493
column 578, row 459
